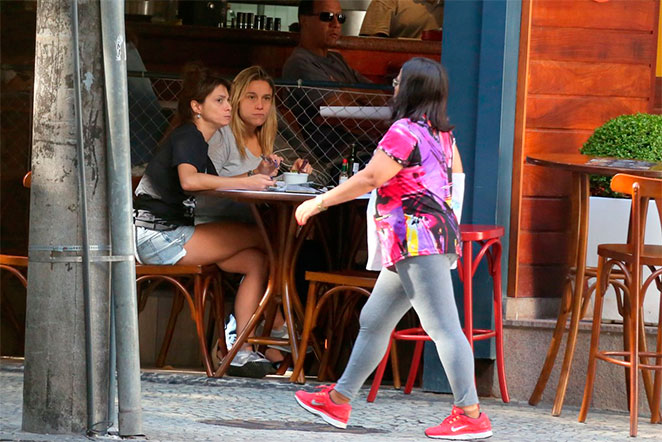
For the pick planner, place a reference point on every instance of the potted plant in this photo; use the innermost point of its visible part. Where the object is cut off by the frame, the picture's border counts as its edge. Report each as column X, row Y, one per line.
column 636, row 137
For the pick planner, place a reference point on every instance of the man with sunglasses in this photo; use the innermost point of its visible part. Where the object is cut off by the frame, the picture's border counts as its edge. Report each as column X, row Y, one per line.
column 320, row 22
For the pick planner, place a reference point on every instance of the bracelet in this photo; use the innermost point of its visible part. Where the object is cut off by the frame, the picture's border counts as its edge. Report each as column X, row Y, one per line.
column 250, row 172
column 320, row 203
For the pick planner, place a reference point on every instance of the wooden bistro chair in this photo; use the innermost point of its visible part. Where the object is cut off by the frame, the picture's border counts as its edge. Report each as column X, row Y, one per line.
column 16, row 266
column 629, row 259
column 336, row 283
column 489, row 240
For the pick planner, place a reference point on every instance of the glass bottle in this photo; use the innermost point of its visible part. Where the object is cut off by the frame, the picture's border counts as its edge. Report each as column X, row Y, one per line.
column 353, row 162
column 343, row 172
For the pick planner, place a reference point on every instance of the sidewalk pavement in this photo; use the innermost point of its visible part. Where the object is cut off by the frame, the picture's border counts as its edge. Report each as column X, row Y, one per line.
column 183, row 406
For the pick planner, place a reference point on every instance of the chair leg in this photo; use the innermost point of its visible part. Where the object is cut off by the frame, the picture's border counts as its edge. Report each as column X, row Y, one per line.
column 297, row 373
column 284, row 365
column 177, row 305
column 595, row 340
column 495, row 270
column 554, row 345
column 379, row 373
column 633, row 311
column 657, row 387
column 395, row 366
column 645, row 374
column 467, row 282
column 199, row 289
column 500, row 359
column 415, row 363
column 626, row 346
column 323, row 374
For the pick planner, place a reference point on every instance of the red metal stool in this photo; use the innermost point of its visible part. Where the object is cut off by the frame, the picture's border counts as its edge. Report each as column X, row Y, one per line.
column 489, row 240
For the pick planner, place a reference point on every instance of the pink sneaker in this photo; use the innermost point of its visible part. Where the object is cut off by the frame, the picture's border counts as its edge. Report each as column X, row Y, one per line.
column 459, row 426
column 320, row 403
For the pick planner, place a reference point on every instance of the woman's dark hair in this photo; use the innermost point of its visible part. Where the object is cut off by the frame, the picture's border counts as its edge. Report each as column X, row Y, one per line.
column 422, row 93
column 199, row 82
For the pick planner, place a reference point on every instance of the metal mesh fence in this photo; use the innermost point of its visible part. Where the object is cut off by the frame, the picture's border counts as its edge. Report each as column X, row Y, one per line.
column 320, row 122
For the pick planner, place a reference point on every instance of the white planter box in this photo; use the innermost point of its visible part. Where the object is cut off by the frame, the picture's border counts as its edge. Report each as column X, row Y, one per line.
column 608, row 223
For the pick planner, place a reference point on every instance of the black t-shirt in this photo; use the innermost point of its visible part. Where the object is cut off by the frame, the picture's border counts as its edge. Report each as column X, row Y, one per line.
column 160, row 191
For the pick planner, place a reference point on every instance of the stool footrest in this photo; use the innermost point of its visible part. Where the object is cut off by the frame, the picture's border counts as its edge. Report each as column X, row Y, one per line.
column 480, row 334
column 411, row 334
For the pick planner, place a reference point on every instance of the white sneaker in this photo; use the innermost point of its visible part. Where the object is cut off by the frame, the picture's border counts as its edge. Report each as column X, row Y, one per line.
column 230, row 332
column 280, row 333
column 250, row 364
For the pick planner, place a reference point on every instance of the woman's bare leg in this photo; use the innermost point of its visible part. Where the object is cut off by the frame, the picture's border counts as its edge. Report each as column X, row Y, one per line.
column 235, row 248
column 215, row 242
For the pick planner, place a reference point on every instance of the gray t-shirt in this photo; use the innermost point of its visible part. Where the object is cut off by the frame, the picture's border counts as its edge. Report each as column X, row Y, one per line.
column 227, row 161
column 303, row 64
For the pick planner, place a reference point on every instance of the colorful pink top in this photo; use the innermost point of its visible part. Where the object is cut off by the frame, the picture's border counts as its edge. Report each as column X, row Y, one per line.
column 413, row 212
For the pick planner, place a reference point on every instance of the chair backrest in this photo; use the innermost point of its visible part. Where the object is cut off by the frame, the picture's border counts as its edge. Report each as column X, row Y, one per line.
column 648, row 187
column 27, row 179
column 641, row 189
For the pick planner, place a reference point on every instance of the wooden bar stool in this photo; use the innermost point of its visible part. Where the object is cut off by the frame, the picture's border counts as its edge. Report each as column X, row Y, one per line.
column 629, row 259
column 489, row 240
column 344, row 282
column 17, row 266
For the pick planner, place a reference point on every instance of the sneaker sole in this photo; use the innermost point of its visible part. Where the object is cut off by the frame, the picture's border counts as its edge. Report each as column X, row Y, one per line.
column 256, row 370
column 472, row 436
column 328, row 419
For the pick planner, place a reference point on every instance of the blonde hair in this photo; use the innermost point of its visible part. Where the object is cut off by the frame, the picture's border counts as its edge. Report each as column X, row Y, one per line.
column 266, row 134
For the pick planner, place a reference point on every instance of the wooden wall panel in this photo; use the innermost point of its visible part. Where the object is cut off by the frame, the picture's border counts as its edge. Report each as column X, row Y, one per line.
column 585, row 62
column 545, row 214
column 544, row 248
column 623, row 14
column 555, row 140
column 545, row 182
column 585, row 78
column 564, row 112
column 574, row 44
column 541, row 281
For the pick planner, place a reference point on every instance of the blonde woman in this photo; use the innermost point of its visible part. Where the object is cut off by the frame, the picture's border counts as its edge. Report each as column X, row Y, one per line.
column 244, row 149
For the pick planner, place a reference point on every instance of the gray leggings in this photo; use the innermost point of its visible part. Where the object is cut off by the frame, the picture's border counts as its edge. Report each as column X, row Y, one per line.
column 422, row 282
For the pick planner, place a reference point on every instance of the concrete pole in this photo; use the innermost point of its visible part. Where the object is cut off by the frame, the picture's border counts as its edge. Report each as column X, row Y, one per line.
column 54, row 395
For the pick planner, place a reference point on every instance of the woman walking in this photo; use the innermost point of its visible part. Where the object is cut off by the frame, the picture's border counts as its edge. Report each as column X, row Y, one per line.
column 419, row 235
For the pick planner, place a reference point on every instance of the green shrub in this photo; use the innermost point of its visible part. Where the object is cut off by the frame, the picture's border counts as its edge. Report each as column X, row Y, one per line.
column 634, row 137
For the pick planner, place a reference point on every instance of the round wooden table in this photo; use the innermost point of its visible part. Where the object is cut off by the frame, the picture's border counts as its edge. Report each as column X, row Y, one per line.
column 581, row 166
column 282, row 251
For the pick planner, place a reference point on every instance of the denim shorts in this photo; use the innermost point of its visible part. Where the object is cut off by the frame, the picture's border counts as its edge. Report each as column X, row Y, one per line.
column 165, row 247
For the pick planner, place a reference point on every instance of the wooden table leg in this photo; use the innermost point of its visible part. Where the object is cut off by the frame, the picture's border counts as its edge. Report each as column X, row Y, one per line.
column 583, row 201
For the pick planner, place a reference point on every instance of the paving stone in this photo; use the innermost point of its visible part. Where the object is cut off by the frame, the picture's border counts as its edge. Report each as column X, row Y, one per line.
column 180, row 406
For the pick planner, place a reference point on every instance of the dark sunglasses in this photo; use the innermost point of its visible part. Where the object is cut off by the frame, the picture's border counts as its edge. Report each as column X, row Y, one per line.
column 328, row 17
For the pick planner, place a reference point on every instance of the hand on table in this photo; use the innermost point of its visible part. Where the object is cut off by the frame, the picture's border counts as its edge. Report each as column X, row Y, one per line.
column 258, row 182
column 269, row 164
column 302, row 166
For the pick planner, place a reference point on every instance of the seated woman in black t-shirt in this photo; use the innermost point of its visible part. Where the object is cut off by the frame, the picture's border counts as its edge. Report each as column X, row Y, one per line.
column 165, row 233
